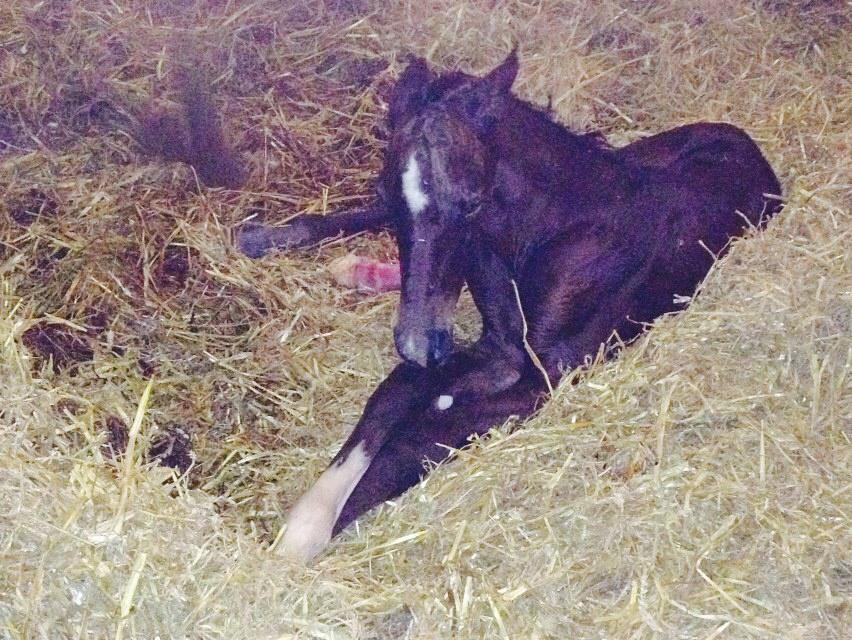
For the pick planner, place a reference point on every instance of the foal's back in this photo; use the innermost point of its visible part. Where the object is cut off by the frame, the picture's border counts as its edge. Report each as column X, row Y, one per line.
column 622, row 232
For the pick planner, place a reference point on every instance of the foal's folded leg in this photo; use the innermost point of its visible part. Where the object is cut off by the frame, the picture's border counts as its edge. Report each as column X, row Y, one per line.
column 426, row 436
column 496, row 370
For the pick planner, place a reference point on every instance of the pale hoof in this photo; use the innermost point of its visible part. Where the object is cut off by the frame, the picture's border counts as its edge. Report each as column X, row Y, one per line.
column 308, row 529
column 313, row 516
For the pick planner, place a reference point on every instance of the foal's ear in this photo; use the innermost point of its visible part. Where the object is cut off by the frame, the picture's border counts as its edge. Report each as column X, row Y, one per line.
column 503, row 76
column 486, row 101
column 410, row 92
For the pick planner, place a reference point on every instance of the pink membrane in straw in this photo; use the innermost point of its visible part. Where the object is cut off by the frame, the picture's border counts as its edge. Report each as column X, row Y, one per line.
column 365, row 274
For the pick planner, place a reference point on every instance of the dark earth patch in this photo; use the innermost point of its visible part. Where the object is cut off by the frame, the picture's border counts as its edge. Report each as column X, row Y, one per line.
column 173, row 448
column 174, row 268
column 116, row 438
column 33, row 206
column 55, row 343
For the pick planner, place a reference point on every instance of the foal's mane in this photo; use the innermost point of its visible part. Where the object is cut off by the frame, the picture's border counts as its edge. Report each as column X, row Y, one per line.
column 543, row 117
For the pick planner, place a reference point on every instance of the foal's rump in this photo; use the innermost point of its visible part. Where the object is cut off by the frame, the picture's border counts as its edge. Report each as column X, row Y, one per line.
column 713, row 182
column 718, row 162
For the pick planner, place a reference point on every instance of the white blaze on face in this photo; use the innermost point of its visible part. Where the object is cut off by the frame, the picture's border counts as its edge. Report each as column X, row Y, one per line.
column 312, row 518
column 412, row 187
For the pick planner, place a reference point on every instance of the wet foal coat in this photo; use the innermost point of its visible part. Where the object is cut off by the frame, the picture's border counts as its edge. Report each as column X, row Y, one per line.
column 552, row 231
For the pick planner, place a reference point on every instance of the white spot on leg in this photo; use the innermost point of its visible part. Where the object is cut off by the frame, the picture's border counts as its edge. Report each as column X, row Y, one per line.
column 312, row 518
column 412, row 187
column 444, row 402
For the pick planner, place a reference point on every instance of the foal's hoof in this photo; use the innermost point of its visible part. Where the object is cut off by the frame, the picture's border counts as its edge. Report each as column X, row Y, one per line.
column 312, row 518
column 309, row 529
column 253, row 240
column 256, row 240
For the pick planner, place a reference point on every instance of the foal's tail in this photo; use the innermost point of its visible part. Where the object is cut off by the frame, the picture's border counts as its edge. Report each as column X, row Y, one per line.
column 194, row 136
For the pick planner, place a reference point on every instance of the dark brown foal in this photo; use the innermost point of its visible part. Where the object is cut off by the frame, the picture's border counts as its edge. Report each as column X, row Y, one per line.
column 552, row 231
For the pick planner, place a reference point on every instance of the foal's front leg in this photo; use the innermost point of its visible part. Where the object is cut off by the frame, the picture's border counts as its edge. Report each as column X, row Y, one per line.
column 400, row 429
column 404, row 392
column 428, row 437
column 255, row 240
column 500, row 350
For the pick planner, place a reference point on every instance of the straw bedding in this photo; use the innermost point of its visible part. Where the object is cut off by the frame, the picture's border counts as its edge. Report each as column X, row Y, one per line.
column 165, row 399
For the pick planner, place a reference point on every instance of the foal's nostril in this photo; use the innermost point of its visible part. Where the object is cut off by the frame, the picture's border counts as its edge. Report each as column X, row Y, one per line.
column 412, row 347
column 426, row 349
column 440, row 346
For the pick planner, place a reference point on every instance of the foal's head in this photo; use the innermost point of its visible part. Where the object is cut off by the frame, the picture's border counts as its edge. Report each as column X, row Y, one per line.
column 438, row 174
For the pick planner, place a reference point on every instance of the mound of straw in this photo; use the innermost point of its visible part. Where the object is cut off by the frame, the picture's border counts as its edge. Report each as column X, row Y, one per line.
column 165, row 399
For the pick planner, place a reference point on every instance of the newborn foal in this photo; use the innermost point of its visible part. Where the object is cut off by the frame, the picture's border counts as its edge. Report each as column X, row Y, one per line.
column 588, row 241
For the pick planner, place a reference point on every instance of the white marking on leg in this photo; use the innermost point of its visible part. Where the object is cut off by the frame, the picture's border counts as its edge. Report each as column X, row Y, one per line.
column 312, row 518
column 412, row 187
column 444, row 402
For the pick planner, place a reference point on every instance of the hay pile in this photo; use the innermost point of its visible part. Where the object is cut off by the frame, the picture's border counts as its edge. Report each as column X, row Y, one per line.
column 697, row 487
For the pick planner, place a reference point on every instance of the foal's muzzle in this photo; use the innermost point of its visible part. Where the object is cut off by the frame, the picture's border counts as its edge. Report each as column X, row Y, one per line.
column 428, row 349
